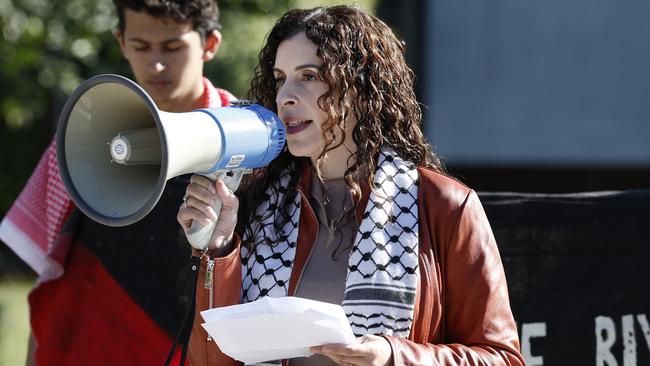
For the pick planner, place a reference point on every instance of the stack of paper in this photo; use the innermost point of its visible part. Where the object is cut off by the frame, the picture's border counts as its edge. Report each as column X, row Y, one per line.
column 276, row 328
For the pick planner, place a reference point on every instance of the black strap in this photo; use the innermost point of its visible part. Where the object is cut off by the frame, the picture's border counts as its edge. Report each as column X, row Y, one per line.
column 183, row 335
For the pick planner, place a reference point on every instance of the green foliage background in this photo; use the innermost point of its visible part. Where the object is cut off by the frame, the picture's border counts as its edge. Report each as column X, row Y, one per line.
column 49, row 47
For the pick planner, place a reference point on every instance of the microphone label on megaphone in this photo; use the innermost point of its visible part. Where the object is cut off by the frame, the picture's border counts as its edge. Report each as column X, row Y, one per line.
column 235, row 161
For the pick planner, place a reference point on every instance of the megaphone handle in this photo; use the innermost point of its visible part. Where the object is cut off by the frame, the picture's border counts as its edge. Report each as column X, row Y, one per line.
column 199, row 235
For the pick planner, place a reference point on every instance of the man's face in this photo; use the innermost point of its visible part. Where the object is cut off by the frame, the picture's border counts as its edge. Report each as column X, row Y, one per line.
column 166, row 58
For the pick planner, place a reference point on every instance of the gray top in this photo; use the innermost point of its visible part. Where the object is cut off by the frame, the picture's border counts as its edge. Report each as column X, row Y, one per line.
column 323, row 278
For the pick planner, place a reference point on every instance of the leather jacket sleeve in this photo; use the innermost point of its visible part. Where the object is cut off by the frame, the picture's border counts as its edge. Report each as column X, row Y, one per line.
column 477, row 326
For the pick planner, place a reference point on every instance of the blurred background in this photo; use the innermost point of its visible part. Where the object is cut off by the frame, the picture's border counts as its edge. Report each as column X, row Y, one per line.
column 543, row 96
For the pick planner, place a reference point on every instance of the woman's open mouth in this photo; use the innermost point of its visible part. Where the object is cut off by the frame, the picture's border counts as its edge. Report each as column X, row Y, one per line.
column 297, row 126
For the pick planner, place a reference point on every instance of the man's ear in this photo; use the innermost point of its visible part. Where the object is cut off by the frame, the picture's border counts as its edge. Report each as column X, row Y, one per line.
column 211, row 46
column 119, row 36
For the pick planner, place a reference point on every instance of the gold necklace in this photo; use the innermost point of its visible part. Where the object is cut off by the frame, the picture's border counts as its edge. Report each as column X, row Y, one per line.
column 333, row 224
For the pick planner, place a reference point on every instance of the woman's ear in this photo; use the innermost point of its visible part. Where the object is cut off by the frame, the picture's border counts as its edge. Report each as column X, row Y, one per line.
column 211, row 46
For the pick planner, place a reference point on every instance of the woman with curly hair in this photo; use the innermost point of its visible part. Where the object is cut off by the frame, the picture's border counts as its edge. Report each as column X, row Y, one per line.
column 357, row 211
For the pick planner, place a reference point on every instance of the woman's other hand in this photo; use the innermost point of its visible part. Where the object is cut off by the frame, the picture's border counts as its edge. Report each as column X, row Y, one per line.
column 201, row 195
column 371, row 350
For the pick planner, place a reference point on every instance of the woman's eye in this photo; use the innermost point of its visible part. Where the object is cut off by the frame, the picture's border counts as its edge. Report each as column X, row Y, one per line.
column 309, row 77
column 279, row 81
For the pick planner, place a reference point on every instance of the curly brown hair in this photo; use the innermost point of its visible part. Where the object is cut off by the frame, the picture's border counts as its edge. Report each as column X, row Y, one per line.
column 366, row 71
column 203, row 14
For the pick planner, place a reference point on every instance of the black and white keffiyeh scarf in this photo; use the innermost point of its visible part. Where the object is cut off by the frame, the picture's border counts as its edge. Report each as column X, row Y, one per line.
column 383, row 272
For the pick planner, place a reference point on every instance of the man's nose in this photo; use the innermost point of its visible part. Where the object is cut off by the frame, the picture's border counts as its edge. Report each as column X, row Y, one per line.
column 158, row 66
column 157, row 62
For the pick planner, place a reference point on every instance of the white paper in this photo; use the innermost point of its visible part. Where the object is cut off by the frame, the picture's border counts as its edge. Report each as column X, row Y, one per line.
column 276, row 328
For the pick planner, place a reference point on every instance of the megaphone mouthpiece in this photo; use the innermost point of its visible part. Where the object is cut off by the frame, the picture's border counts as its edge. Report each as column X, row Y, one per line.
column 136, row 147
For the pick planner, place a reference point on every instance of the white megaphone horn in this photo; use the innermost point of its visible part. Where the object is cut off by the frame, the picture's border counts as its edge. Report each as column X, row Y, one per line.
column 116, row 149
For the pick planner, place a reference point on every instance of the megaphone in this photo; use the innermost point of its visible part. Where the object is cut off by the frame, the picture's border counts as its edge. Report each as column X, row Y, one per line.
column 116, row 149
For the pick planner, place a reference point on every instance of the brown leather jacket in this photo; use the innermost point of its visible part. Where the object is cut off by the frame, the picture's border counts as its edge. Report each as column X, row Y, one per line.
column 462, row 314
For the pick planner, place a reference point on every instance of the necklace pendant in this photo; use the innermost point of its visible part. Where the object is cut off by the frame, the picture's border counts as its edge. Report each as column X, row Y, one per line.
column 331, row 229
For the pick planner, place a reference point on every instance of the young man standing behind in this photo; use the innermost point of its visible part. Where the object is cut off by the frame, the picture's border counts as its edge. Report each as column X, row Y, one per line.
column 110, row 295
column 166, row 44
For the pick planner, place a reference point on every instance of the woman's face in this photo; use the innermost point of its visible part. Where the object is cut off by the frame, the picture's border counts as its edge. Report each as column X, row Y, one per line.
column 299, row 87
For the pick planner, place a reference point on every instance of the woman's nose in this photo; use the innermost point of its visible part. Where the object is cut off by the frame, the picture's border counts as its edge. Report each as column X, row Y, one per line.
column 286, row 96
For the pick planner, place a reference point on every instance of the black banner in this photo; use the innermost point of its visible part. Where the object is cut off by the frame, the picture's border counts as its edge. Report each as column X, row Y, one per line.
column 578, row 267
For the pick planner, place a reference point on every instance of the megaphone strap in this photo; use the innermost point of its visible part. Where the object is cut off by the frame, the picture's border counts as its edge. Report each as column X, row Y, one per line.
column 183, row 336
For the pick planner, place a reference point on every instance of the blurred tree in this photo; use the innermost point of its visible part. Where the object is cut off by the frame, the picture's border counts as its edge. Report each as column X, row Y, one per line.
column 245, row 26
column 49, row 47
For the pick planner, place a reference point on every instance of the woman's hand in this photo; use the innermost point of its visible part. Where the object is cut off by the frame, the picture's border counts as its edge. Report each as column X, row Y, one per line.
column 201, row 195
column 371, row 350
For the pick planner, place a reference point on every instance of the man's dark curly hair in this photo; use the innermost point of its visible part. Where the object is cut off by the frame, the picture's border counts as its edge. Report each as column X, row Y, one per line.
column 203, row 14
column 368, row 78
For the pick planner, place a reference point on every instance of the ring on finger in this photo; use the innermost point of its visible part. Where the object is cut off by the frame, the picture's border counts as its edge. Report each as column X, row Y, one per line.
column 185, row 197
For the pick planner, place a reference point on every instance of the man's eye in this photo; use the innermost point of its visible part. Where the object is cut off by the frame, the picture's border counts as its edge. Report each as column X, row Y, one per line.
column 140, row 48
column 309, row 77
column 173, row 49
